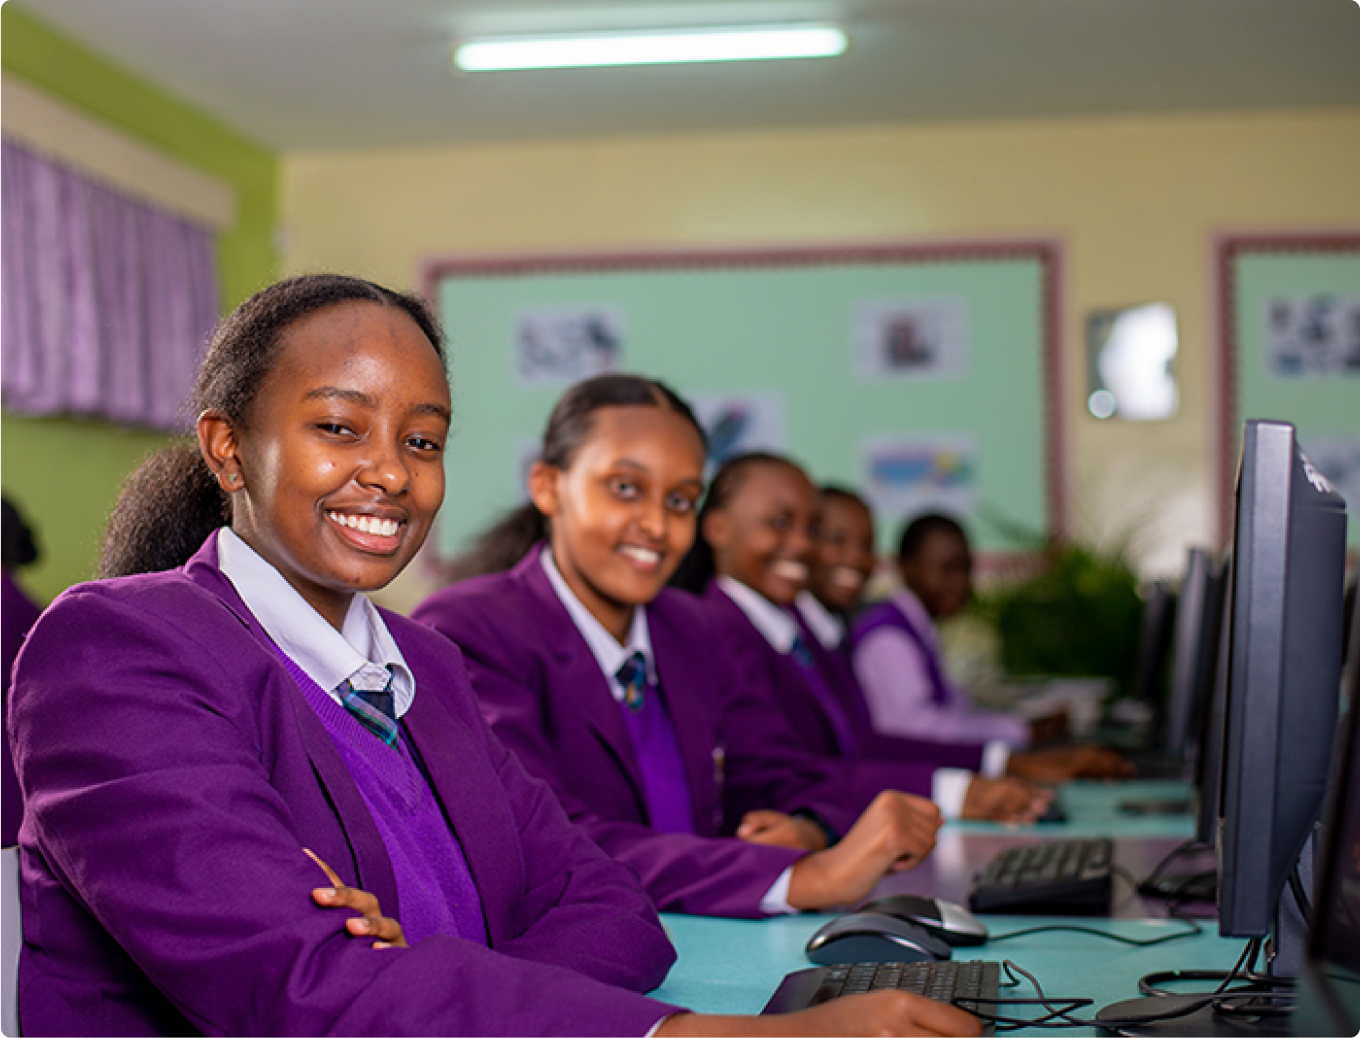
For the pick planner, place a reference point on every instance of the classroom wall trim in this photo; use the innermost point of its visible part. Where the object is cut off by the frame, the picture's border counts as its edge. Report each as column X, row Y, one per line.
column 1228, row 249
column 45, row 125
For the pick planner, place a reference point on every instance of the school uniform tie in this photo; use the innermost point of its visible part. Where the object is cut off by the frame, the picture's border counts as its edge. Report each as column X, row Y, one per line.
column 375, row 709
column 665, row 785
column 825, row 696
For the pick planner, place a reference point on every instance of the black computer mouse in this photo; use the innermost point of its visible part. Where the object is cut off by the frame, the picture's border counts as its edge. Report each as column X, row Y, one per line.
column 951, row 923
column 872, row 937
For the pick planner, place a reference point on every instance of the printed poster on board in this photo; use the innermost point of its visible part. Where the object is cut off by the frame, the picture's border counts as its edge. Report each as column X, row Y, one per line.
column 906, row 475
column 560, row 345
column 925, row 338
column 740, row 422
column 1312, row 336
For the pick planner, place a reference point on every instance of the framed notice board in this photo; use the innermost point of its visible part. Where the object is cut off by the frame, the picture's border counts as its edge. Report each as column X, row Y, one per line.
column 1289, row 350
column 926, row 375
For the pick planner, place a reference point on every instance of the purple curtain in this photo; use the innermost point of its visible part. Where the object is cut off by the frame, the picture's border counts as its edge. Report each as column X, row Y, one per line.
column 107, row 302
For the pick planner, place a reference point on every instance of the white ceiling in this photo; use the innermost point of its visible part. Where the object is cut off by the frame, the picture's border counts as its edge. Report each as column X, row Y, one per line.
column 298, row 74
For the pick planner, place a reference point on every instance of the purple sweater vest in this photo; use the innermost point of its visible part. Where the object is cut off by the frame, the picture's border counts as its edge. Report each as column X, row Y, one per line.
column 886, row 614
column 434, row 883
column 666, row 789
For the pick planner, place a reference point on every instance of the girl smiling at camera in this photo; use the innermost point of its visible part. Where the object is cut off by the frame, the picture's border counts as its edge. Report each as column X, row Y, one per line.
column 615, row 690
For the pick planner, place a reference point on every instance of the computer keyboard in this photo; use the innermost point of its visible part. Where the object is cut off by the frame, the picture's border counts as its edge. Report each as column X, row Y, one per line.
column 1057, row 877
column 956, row 982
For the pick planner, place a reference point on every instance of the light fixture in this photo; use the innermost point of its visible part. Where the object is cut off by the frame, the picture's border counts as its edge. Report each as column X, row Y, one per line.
column 744, row 43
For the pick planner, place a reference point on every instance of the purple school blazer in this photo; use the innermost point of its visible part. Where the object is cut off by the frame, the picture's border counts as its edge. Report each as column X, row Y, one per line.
column 18, row 615
column 173, row 774
column 542, row 690
column 784, row 691
column 838, row 671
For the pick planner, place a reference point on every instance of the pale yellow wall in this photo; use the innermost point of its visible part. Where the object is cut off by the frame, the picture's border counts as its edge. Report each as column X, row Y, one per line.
column 1135, row 199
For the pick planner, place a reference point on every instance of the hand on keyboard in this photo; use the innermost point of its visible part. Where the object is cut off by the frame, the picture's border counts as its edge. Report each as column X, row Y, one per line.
column 1005, row 800
column 877, row 1013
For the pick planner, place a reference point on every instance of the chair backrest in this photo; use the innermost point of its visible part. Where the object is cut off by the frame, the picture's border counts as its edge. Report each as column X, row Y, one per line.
column 13, row 934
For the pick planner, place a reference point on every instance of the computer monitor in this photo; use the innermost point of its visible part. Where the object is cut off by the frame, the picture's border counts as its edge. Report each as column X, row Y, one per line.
column 1154, row 650
column 1330, row 1001
column 1209, row 766
column 1199, row 612
column 1283, row 675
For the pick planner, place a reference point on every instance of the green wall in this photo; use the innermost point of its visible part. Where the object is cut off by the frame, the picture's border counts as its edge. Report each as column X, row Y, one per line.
column 65, row 473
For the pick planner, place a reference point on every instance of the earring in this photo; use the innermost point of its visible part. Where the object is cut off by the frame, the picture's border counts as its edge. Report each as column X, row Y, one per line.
column 231, row 477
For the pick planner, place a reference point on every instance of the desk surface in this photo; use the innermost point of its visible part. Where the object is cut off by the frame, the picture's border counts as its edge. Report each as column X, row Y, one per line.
column 733, row 966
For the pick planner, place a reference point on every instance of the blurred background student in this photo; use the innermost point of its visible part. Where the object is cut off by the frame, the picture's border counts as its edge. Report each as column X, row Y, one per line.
column 899, row 665
column 751, row 561
column 17, row 614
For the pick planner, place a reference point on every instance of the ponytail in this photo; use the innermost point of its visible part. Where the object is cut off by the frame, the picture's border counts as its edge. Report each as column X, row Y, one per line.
column 165, row 511
column 501, row 545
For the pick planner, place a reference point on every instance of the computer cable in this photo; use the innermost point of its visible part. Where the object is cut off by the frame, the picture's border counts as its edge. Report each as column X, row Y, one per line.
column 1059, row 1011
column 1193, row 926
column 1300, row 896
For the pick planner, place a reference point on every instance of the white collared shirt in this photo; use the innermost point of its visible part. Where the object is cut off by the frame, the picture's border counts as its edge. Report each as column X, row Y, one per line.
column 608, row 653
column 779, row 628
column 826, row 626
column 360, row 654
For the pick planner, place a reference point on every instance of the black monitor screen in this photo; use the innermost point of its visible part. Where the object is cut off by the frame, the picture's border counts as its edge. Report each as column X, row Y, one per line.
column 1284, row 672
column 1199, row 609
column 1332, row 999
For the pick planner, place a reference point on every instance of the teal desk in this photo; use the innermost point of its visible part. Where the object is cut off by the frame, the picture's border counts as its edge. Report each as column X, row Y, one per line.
column 733, row 966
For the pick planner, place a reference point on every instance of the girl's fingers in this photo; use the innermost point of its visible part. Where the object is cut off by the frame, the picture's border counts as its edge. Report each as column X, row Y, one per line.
column 330, row 873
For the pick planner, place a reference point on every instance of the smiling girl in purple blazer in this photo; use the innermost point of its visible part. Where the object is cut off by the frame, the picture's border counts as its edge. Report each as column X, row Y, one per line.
column 189, row 733
column 614, row 689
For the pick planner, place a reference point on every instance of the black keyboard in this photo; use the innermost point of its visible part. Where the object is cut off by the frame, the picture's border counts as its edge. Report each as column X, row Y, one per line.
column 956, row 982
column 1057, row 877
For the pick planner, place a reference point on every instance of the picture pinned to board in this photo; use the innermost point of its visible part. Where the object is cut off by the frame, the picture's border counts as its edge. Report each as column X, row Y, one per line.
column 925, row 338
column 737, row 423
column 1337, row 457
column 559, row 345
column 1312, row 336
column 907, row 475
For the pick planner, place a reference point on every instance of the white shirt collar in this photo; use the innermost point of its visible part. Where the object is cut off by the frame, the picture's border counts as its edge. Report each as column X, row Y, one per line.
column 915, row 611
column 360, row 654
column 822, row 622
column 777, row 625
column 608, row 653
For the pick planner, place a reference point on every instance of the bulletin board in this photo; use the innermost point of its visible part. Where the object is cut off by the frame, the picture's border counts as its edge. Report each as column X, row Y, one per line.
column 925, row 374
column 1289, row 350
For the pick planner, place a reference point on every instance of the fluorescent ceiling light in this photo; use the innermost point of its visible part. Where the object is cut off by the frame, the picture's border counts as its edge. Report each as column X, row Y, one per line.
column 749, row 43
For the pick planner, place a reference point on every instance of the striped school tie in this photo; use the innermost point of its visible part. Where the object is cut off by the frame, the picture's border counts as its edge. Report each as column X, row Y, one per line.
column 375, row 709
column 632, row 675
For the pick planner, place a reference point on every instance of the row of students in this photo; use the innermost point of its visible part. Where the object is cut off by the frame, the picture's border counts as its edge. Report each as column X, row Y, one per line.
column 194, row 731
column 614, row 690
column 895, row 673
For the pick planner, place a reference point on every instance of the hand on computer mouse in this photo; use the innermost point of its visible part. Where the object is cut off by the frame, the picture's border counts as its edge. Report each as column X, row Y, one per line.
column 1068, row 762
column 1005, row 800
column 894, row 833
column 875, row 1013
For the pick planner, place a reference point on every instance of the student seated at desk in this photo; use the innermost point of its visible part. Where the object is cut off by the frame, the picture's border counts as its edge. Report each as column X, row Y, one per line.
column 187, row 733
column 18, row 615
column 897, row 660
column 615, row 690
column 840, row 564
column 751, row 562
